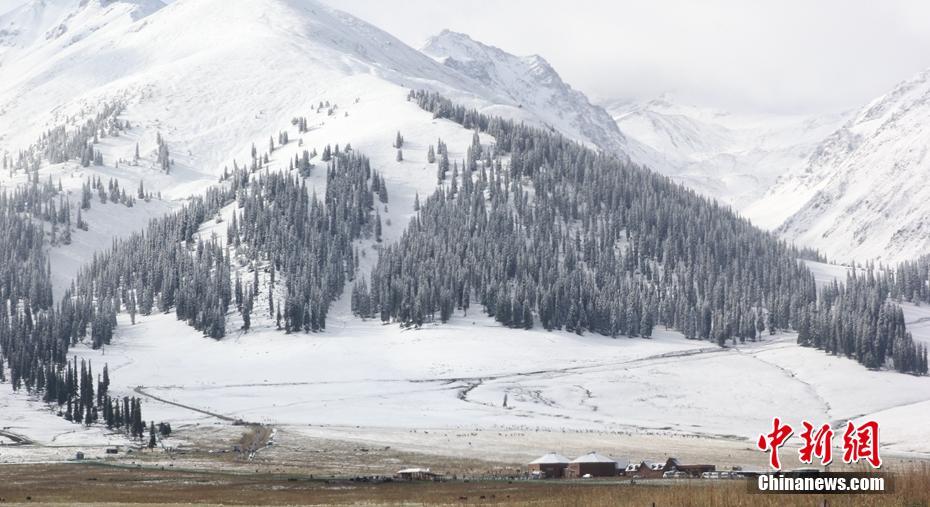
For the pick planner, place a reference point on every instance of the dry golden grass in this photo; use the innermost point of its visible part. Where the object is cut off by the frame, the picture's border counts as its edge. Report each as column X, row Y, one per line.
column 90, row 484
column 254, row 438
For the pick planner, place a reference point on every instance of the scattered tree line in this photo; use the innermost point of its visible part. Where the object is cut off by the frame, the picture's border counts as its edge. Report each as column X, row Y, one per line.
column 82, row 398
column 856, row 319
column 276, row 225
column 111, row 192
column 62, row 143
column 585, row 241
column 909, row 280
column 163, row 155
column 35, row 334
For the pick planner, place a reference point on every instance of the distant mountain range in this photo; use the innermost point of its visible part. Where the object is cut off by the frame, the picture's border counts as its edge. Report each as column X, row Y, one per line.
column 844, row 183
column 860, row 195
column 848, row 184
column 732, row 157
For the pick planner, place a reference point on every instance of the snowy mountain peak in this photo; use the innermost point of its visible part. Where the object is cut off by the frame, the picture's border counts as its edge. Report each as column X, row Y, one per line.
column 531, row 83
column 489, row 64
column 903, row 97
column 215, row 54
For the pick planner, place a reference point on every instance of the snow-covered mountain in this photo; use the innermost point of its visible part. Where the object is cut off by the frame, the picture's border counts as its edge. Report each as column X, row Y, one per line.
column 734, row 158
column 843, row 183
column 194, row 66
column 213, row 77
column 860, row 194
column 60, row 23
column 532, row 85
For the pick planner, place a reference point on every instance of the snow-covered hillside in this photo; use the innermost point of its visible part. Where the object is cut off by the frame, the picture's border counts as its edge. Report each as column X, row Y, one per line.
column 734, row 158
column 212, row 78
column 860, row 195
column 841, row 183
column 180, row 67
column 195, row 67
column 471, row 374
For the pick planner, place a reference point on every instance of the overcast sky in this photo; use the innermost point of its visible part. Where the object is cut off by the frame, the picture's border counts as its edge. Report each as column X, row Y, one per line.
column 780, row 56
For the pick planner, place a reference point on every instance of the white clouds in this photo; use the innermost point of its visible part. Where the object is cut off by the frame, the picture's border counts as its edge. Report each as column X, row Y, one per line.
column 790, row 55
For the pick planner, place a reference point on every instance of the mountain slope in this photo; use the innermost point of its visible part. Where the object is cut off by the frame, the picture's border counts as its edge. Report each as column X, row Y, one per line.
column 859, row 194
column 531, row 84
column 183, row 69
column 192, row 69
column 734, row 158
column 213, row 77
column 58, row 24
column 26, row 23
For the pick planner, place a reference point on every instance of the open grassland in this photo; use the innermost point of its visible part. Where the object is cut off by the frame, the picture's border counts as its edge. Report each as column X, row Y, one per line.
column 70, row 484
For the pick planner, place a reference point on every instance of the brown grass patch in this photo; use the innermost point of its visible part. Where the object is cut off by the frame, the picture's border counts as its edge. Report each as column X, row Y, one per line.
column 70, row 484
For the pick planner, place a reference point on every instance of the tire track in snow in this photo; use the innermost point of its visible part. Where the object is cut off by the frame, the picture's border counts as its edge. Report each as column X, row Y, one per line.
column 793, row 376
column 141, row 391
column 576, row 369
column 837, row 423
column 463, row 385
column 18, row 439
column 473, row 383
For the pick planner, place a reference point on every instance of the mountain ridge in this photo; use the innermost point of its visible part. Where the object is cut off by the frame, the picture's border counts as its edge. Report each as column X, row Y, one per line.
column 166, row 52
column 855, row 198
column 558, row 104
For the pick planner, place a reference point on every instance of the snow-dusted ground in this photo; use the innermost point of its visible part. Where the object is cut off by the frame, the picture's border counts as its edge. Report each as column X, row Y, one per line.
column 826, row 273
column 365, row 377
column 30, row 431
column 917, row 319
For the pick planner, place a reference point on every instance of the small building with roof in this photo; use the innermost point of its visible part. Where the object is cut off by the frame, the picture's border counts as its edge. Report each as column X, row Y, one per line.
column 673, row 465
column 549, row 466
column 417, row 474
column 593, row 465
column 646, row 469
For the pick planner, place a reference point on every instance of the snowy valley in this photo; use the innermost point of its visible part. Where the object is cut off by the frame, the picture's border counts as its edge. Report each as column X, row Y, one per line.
column 734, row 158
column 842, row 183
column 214, row 98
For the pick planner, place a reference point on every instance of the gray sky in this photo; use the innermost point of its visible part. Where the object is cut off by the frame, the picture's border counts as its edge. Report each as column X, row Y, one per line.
column 779, row 56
